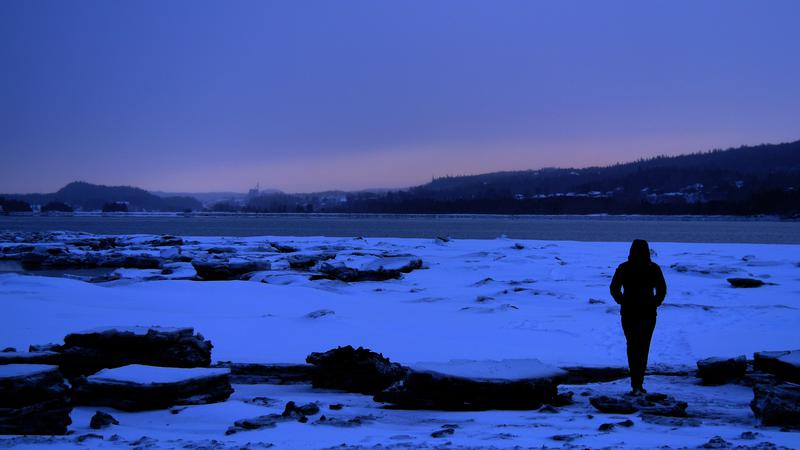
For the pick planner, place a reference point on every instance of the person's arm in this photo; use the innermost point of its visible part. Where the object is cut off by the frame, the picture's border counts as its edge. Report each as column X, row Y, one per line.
column 616, row 286
column 661, row 286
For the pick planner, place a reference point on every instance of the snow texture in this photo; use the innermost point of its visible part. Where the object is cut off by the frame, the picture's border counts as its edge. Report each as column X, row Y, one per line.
column 141, row 374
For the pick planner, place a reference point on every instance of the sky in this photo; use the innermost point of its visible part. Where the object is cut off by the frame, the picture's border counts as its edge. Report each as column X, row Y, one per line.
column 196, row 96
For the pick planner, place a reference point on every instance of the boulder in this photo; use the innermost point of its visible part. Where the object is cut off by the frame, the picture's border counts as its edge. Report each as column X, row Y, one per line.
column 783, row 364
column 356, row 370
column 227, row 269
column 87, row 352
column 374, row 268
column 475, row 385
column 745, row 282
column 306, row 261
column 166, row 240
column 93, row 243
column 138, row 387
column 777, row 405
column 33, row 400
column 653, row 404
column 102, row 420
column 721, row 370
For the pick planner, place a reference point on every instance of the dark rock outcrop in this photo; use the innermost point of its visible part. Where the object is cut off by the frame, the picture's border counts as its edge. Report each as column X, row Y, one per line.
column 45, row 357
column 783, row 364
column 585, row 375
column 102, row 420
column 745, row 282
column 166, row 240
column 354, row 370
column 137, row 387
column 475, row 385
column 384, row 268
column 87, row 352
column 306, row 261
column 227, row 269
column 653, row 404
column 252, row 373
column 777, row 404
column 33, row 400
column 721, row 370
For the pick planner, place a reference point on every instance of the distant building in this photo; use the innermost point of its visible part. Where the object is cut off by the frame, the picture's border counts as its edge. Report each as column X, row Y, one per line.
column 255, row 192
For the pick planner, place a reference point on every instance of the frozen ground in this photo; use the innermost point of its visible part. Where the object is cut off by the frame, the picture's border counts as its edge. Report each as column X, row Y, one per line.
column 473, row 300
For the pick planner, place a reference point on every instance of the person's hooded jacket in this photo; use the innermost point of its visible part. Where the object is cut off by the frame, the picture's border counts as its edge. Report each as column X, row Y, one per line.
column 638, row 284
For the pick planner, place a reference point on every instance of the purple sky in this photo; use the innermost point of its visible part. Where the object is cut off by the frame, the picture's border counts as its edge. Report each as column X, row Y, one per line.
column 312, row 95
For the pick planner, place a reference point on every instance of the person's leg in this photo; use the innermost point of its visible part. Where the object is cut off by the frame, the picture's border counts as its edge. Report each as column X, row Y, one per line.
column 629, row 327
column 647, row 325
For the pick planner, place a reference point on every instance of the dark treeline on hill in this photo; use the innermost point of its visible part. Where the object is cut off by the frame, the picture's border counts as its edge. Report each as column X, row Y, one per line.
column 92, row 197
column 762, row 179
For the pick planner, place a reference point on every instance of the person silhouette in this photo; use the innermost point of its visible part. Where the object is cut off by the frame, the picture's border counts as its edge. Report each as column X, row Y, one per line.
column 639, row 288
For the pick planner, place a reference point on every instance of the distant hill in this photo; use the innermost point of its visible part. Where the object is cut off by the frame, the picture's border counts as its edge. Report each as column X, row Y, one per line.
column 92, row 197
column 763, row 179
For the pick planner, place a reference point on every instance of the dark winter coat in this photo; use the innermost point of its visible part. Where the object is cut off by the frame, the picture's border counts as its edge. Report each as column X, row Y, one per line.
column 638, row 284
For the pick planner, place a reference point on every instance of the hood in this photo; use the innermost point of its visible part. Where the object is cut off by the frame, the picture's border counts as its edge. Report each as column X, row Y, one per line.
column 640, row 252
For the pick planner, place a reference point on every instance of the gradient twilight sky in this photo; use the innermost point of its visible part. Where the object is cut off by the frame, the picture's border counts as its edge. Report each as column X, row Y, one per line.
column 312, row 95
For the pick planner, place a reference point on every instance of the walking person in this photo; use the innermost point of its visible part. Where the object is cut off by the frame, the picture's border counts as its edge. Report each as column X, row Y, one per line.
column 639, row 287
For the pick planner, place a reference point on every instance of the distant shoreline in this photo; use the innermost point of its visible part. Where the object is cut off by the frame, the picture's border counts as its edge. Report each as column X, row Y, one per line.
column 664, row 217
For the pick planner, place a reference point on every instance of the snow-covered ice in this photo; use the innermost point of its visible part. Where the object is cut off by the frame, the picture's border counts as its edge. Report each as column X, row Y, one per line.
column 23, row 370
column 141, row 374
column 473, row 300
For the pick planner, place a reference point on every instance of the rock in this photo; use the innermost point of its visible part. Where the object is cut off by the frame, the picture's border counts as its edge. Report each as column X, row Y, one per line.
column 783, row 364
column 777, row 405
column 291, row 412
column 94, row 243
column 653, row 404
column 166, row 240
column 354, row 370
column 306, row 261
column 378, row 269
column 320, row 313
column 137, row 387
column 563, row 399
column 627, row 423
column 220, row 250
column 143, row 261
column 309, row 409
column 613, row 405
column 227, row 269
column 87, row 352
column 102, row 420
column 49, row 358
column 721, row 370
column 586, row 375
column 33, row 400
column 257, row 423
column 717, row 442
column 606, row 427
column 349, row 423
column 252, row 373
column 443, row 433
column 745, row 282
column 475, row 385
column 280, row 248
